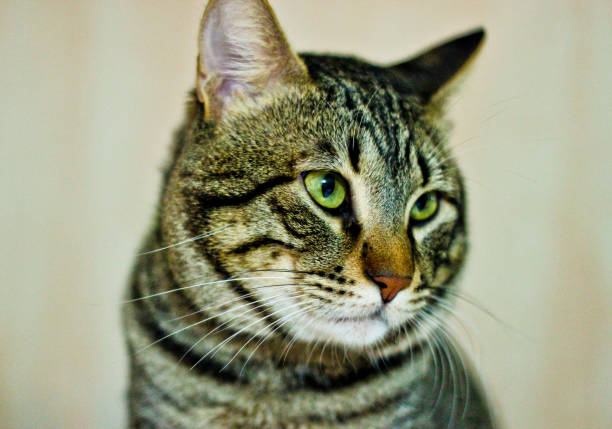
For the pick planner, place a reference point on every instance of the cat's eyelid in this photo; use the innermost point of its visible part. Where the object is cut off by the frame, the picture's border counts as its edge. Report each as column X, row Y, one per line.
column 442, row 184
column 444, row 193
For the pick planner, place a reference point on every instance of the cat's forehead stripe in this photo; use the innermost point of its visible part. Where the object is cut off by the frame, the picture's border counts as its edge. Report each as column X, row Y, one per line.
column 354, row 150
column 378, row 118
column 425, row 172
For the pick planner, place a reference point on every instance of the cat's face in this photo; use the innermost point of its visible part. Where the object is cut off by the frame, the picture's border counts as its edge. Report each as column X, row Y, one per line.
column 331, row 201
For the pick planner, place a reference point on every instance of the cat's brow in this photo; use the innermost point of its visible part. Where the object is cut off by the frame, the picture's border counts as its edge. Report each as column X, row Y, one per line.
column 354, row 149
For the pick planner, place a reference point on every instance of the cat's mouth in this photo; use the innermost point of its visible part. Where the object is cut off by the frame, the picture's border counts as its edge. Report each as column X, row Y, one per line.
column 358, row 330
column 373, row 316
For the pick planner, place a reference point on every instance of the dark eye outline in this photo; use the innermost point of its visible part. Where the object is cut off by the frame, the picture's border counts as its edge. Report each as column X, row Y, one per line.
column 420, row 222
column 344, row 209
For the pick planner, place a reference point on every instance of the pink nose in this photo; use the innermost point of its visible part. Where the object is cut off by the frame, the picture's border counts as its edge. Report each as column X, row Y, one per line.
column 390, row 286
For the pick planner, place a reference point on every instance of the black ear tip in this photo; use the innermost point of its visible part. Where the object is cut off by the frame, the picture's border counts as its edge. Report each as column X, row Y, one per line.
column 472, row 39
column 478, row 32
column 432, row 69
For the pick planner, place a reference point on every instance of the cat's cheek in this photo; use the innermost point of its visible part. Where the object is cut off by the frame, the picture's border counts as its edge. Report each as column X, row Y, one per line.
column 457, row 251
column 441, row 276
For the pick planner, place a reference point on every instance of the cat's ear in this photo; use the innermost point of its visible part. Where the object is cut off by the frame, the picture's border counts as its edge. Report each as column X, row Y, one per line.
column 431, row 72
column 242, row 52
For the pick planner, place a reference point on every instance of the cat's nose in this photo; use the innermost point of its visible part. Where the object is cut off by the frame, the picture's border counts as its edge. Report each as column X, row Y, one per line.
column 391, row 285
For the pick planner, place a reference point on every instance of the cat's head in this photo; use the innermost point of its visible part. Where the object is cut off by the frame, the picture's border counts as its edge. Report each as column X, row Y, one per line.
column 322, row 184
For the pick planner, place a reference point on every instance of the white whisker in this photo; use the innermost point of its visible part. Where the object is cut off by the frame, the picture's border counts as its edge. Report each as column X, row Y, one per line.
column 199, row 322
column 294, row 338
column 452, row 342
column 198, row 285
column 238, row 298
column 289, row 317
column 215, row 349
column 228, row 322
column 447, row 306
column 472, row 301
column 180, row 243
column 456, row 387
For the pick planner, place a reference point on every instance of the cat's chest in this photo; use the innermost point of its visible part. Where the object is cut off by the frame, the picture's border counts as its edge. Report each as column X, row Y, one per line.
column 385, row 400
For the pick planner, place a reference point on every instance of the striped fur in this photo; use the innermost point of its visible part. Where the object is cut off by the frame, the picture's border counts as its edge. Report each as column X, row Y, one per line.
column 255, row 312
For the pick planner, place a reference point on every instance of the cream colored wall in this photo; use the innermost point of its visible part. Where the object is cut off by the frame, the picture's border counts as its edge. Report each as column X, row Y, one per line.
column 90, row 92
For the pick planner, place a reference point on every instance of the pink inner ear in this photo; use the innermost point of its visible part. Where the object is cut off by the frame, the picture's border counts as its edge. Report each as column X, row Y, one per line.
column 242, row 51
column 229, row 88
column 217, row 48
column 221, row 57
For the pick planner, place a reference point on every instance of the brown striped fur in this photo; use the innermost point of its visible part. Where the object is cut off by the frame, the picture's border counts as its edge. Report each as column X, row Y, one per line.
column 253, row 306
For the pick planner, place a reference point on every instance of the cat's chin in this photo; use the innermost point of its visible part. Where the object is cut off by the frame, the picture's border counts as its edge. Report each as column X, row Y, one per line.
column 352, row 332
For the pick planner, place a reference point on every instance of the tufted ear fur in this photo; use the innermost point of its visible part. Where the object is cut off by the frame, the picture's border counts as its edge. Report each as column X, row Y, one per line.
column 242, row 52
column 431, row 72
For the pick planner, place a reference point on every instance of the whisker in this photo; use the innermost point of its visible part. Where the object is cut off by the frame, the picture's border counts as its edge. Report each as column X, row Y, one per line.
column 322, row 351
column 453, row 343
column 198, row 285
column 445, row 305
column 479, row 306
column 454, row 147
column 225, row 324
column 189, row 240
column 287, row 349
column 439, row 372
column 215, row 349
column 313, row 347
column 300, row 310
column 295, row 336
column 452, row 361
column 238, row 298
column 208, row 319
column 444, row 354
column 277, row 270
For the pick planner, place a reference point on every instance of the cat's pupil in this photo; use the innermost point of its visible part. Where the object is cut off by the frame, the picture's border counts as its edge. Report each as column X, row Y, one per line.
column 421, row 202
column 328, row 184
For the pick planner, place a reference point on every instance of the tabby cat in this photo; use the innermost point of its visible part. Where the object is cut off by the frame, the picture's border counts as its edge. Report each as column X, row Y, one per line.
column 301, row 263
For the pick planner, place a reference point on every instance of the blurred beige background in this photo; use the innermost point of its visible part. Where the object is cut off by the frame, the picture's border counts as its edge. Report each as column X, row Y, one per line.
column 90, row 92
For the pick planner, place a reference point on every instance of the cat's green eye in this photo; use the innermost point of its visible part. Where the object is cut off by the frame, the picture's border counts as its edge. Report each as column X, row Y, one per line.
column 326, row 188
column 425, row 206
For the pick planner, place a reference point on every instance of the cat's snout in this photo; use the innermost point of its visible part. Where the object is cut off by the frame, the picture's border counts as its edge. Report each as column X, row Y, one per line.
column 388, row 262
